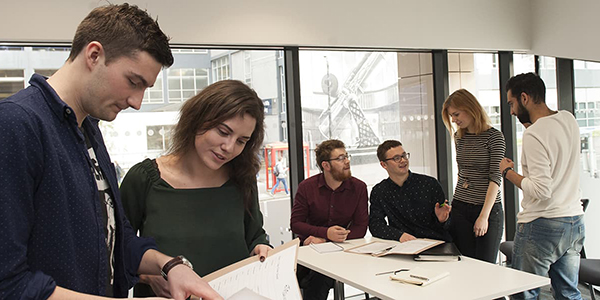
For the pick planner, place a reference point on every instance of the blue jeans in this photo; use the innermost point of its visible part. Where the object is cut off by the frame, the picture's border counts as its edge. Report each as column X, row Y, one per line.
column 550, row 247
column 277, row 184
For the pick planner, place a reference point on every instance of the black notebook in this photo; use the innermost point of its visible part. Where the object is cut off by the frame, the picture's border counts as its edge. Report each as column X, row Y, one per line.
column 443, row 252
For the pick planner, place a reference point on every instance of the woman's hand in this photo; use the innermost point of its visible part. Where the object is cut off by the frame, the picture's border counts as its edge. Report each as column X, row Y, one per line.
column 481, row 226
column 261, row 250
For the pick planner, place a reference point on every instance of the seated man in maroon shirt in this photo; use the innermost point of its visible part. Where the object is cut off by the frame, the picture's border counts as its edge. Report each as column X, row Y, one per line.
column 330, row 206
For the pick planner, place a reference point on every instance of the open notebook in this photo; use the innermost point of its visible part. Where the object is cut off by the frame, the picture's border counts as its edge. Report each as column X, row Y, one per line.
column 382, row 248
column 420, row 276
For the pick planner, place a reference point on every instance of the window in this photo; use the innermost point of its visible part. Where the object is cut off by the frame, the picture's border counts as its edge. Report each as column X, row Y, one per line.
column 185, row 83
column 158, row 137
column 587, row 101
column 220, row 68
column 46, row 72
column 477, row 73
column 11, row 81
column 365, row 98
column 155, row 93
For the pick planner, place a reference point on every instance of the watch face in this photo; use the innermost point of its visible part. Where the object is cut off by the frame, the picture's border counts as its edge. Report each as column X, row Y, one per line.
column 186, row 262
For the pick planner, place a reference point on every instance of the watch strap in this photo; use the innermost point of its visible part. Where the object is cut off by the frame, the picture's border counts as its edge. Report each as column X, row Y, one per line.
column 506, row 171
column 178, row 260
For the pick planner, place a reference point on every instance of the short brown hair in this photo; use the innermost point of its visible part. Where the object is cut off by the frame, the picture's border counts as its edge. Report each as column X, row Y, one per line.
column 385, row 146
column 324, row 149
column 215, row 104
column 463, row 100
column 123, row 30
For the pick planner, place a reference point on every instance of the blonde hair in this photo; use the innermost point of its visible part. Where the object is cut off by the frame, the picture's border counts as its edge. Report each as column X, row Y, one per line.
column 465, row 101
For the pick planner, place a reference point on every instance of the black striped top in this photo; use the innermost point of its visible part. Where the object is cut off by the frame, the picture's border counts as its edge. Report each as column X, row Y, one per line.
column 478, row 157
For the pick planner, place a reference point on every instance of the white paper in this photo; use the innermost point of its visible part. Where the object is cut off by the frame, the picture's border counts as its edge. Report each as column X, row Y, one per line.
column 274, row 278
column 247, row 294
column 374, row 247
column 412, row 246
column 326, row 247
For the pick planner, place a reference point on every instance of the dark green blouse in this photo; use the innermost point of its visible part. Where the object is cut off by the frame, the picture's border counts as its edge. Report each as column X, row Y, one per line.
column 209, row 226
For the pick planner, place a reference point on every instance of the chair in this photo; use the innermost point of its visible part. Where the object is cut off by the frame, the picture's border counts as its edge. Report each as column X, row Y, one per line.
column 506, row 249
column 589, row 273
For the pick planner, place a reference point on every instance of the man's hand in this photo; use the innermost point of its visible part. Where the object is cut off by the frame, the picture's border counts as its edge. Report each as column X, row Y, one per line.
column 184, row 282
column 313, row 240
column 481, row 226
column 159, row 285
column 442, row 212
column 506, row 163
column 337, row 233
column 261, row 250
column 407, row 237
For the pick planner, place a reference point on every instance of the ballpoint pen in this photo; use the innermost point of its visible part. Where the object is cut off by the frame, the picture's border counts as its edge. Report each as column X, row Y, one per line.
column 384, row 250
column 390, row 272
column 419, row 277
column 349, row 224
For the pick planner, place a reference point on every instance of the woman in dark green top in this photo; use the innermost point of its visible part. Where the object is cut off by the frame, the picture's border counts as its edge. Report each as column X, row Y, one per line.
column 201, row 199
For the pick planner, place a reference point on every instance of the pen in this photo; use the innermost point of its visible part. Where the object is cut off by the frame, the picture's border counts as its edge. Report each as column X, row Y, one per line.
column 349, row 224
column 384, row 250
column 383, row 273
column 419, row 277
column 390, row 272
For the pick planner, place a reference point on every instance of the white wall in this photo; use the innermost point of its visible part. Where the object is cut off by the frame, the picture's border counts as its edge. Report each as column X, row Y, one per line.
column 465, row 24
column 566, row 29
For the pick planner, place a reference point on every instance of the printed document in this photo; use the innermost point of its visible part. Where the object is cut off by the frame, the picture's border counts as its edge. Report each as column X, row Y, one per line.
column 274, row 279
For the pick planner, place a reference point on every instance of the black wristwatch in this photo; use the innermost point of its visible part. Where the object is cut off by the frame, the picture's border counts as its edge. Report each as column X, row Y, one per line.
column 178, row 260
column 506, row 171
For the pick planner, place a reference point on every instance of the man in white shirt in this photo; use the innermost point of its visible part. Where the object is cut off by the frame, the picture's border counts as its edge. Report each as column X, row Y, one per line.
column 550, row 229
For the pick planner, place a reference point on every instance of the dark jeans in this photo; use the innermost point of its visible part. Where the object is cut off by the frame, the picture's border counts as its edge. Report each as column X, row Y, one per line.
column 315, row 286
column 485, row 247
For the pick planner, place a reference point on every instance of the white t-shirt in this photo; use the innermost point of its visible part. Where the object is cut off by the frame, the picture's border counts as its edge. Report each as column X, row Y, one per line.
column 550, row 161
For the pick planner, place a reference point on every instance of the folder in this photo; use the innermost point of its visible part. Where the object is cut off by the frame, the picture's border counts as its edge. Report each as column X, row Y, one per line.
column 443, row 252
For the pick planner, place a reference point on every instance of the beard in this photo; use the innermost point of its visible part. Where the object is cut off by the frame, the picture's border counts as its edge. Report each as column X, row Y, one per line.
column 340, row 175
column 523, row 114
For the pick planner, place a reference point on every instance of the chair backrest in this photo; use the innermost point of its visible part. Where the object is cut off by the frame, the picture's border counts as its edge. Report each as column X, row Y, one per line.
column 584, row 203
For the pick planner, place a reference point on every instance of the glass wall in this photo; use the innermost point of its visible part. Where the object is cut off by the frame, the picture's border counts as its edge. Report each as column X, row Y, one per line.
column 136, row 135
column 587, row 104
column 524, row 63
column 365, row 98
column 477, row 73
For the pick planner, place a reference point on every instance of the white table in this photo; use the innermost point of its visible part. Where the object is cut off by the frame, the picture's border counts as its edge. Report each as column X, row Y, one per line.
column 468, row 279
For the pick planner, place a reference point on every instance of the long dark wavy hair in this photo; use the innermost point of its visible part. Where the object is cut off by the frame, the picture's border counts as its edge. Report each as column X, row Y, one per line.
column 215, row 104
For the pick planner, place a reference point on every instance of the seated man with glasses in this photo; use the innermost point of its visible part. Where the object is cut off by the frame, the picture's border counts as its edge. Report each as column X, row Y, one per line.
column 413, row 203
column 330, row 206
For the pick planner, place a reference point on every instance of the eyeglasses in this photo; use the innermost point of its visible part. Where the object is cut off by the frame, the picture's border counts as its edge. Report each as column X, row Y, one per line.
column 340, row 158
column 398, row 158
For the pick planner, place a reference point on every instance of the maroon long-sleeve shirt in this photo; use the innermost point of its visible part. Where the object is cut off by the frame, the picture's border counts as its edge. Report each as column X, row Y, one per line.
column 317, row 207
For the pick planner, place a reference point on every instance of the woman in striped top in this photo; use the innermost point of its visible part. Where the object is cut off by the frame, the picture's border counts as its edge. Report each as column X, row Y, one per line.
column 477, row 215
